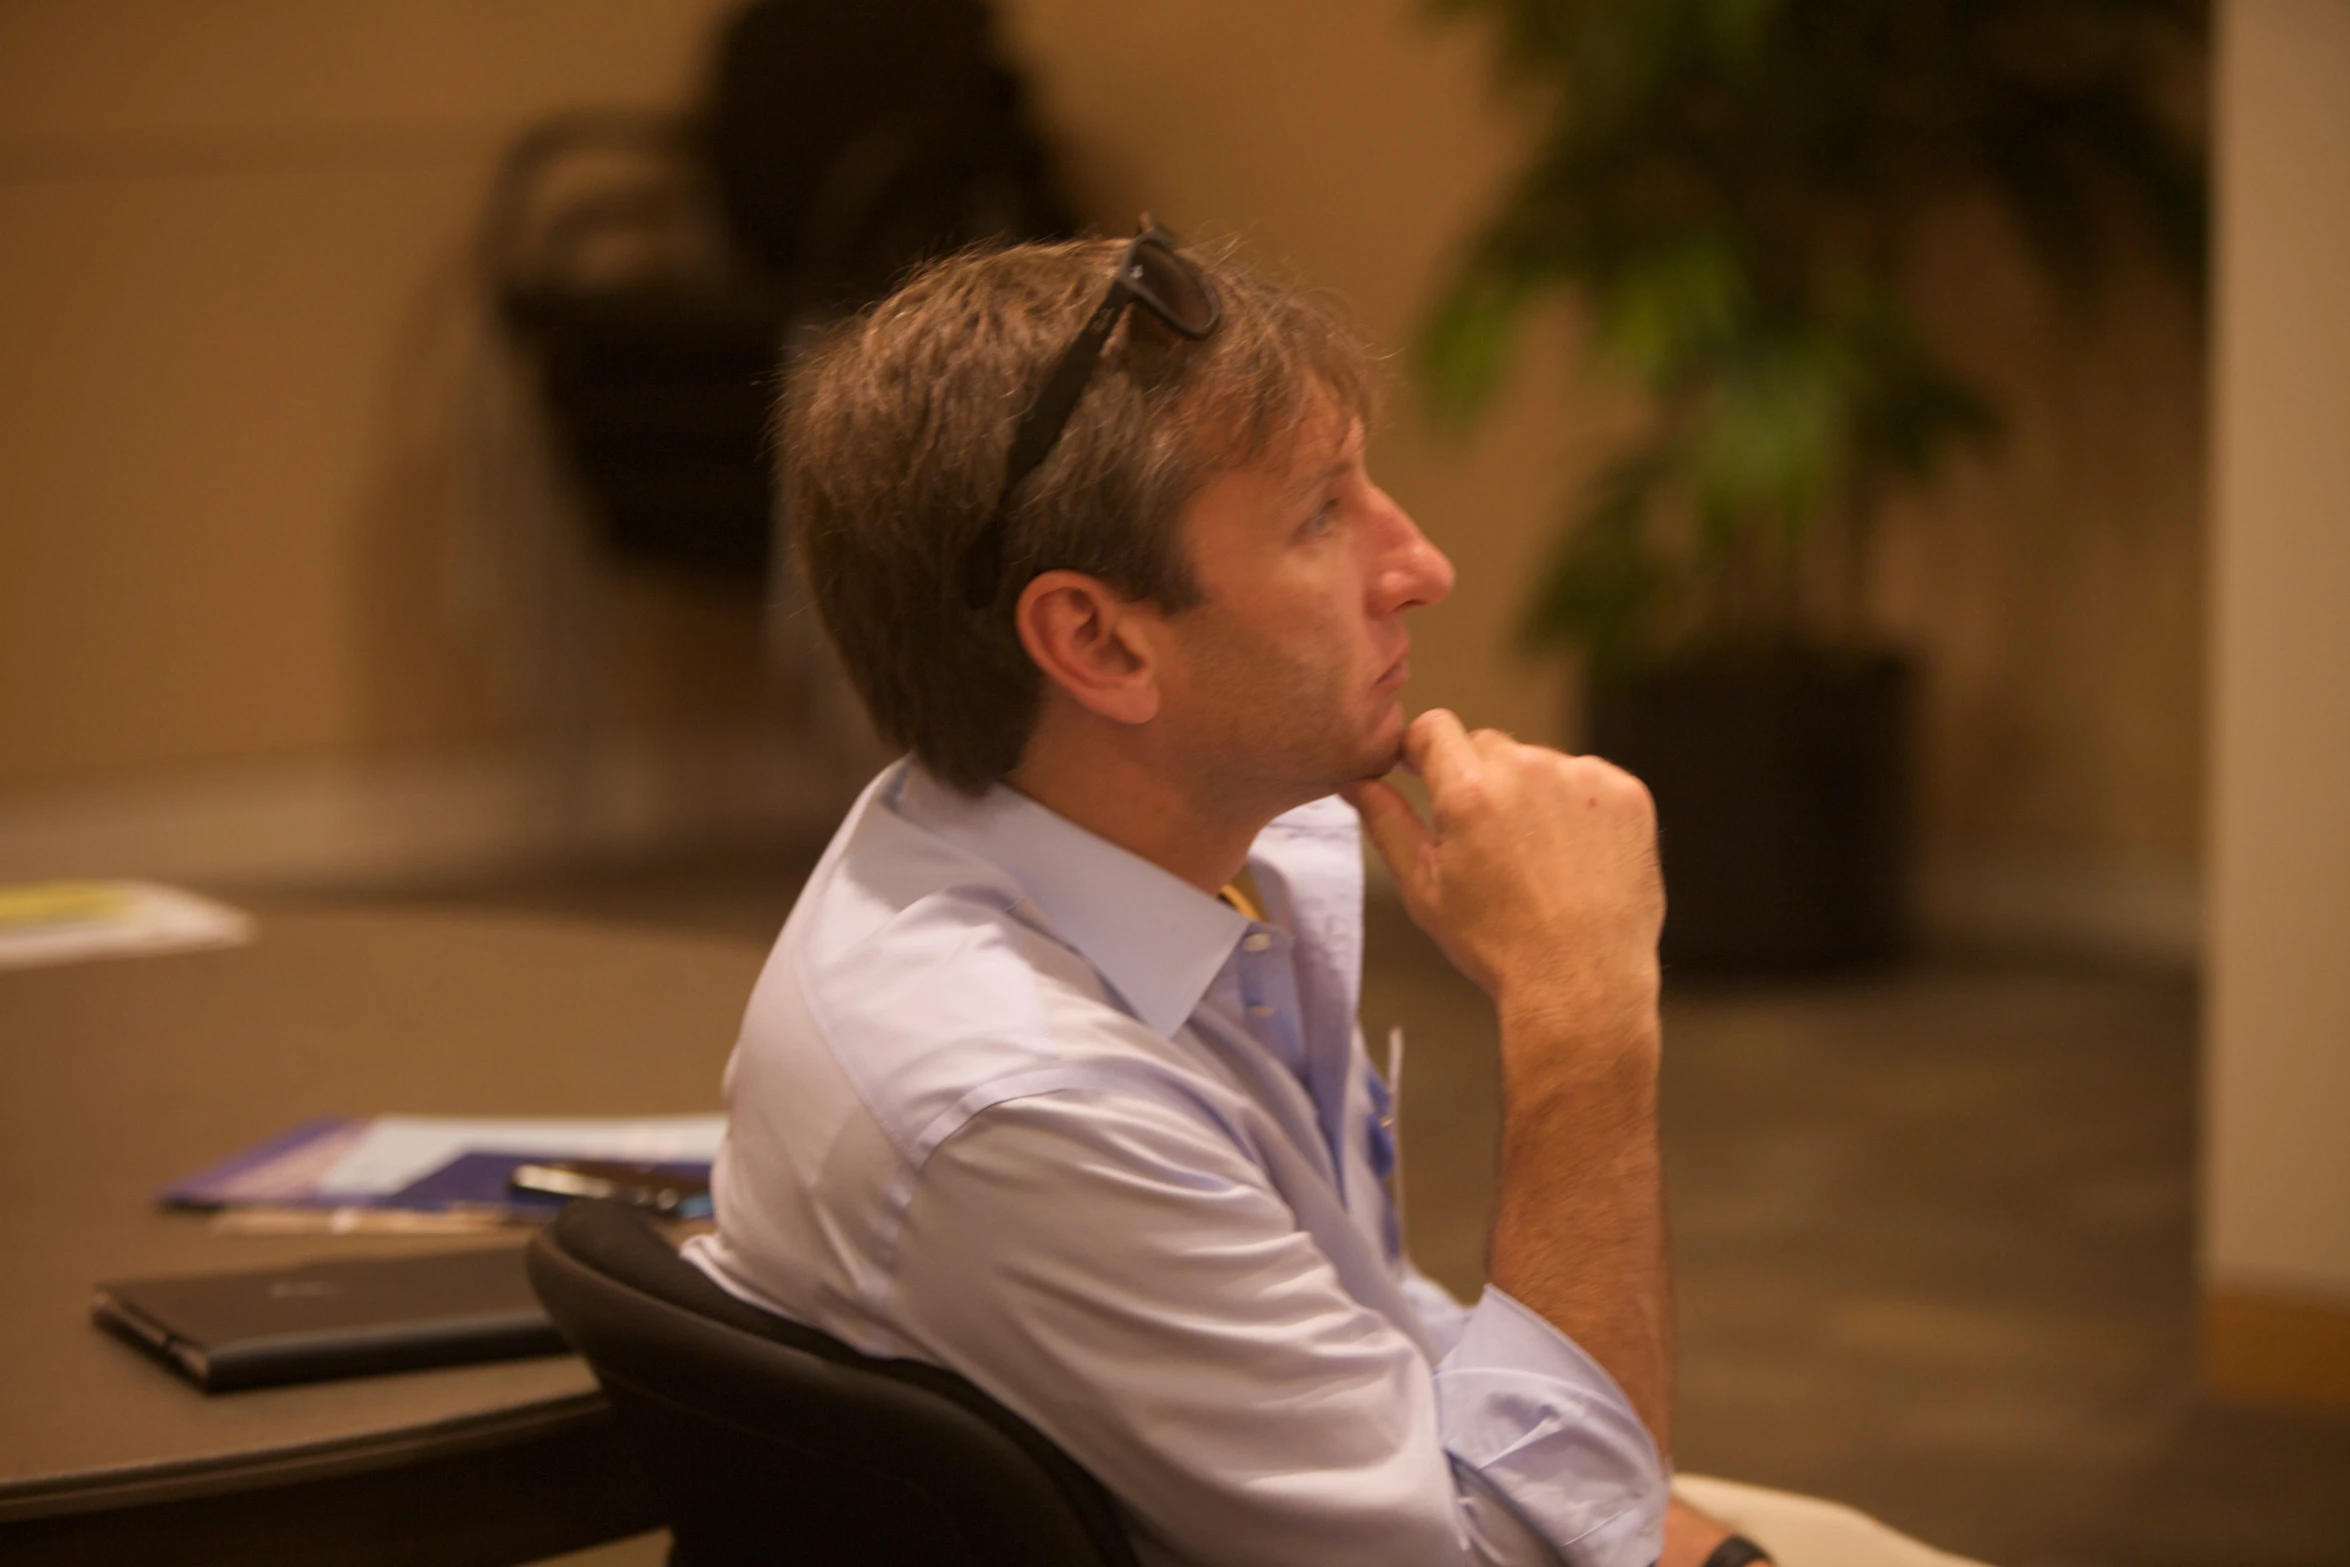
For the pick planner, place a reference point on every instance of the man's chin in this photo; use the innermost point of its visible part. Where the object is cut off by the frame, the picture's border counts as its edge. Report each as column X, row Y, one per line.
column 1388, row 760
column 1371, row 752
column 1384, row 753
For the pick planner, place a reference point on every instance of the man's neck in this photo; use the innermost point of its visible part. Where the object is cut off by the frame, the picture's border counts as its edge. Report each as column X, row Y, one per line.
column 1194, row 832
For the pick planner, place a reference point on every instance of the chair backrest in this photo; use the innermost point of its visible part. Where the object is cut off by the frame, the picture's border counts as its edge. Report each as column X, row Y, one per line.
column 657, row 264
column 888, row 119
column 774, row 1442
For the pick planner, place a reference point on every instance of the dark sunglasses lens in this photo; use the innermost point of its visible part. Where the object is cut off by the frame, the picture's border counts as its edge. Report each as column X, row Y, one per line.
column 1170, row 286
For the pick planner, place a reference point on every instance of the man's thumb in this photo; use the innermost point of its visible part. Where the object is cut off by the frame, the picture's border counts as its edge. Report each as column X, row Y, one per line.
column 1395, row 829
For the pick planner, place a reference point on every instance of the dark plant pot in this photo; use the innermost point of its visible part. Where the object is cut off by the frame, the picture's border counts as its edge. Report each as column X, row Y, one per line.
column 1782, row 787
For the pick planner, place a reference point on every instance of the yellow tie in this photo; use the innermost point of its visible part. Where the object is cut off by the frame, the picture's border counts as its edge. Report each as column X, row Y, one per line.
column 1241, row 894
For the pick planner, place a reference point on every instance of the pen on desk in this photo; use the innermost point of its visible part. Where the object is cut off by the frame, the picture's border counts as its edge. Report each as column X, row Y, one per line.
column 358, row 1221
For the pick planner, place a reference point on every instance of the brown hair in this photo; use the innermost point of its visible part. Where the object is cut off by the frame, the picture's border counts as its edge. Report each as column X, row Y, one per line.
column 894, row 430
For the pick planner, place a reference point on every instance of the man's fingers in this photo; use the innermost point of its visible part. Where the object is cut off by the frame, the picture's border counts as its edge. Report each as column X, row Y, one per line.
column 1435, row 743
column 1395, row 829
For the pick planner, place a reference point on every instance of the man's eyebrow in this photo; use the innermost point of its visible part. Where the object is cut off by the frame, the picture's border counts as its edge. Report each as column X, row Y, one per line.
column 1348, row 454
column 1314, row 481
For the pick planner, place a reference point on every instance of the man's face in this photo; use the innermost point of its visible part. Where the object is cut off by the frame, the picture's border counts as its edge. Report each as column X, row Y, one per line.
column 1287, row 679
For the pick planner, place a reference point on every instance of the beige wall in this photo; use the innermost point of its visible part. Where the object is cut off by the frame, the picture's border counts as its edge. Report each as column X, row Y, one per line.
column 2059, row 585
column 236, row 355
column 237, row 340
column 2277, row 1155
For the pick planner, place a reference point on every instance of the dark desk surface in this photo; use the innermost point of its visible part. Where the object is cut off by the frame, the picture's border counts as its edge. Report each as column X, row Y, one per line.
column 118, row 1075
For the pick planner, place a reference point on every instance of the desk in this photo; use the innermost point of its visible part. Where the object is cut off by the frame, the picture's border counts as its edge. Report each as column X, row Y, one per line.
column 163, row 1064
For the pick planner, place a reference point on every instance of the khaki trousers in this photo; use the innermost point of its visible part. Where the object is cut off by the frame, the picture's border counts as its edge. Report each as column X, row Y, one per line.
column 1804, row 1531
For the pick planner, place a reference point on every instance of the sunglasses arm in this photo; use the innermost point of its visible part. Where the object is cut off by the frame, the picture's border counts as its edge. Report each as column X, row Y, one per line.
column 1049, row 414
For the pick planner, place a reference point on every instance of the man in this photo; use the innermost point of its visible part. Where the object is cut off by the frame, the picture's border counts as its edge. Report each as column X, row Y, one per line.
column 1054, row 1076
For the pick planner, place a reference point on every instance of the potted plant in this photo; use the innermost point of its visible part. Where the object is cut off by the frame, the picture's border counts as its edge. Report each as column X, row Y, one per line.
column 1729, row 188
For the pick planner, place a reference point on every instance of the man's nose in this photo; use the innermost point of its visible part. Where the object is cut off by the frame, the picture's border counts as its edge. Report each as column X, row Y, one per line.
column 1412, row 572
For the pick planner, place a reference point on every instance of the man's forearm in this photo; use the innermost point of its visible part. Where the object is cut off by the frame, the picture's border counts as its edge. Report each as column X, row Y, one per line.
column 1537, row 874
column 1579, row 1228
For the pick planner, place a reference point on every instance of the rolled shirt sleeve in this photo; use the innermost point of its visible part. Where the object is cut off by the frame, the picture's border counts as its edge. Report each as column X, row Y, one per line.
column 1120, row 1273
column 1540, row 1422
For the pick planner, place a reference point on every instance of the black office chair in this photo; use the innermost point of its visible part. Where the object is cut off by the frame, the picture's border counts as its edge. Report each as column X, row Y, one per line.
column 656, row 264
column 774, row 1443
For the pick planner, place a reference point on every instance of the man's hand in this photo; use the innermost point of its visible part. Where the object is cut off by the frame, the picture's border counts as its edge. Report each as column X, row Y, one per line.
column 1538, row 876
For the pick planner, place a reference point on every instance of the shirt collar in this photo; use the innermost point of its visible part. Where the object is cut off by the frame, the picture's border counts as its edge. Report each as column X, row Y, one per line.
column 1157, row 939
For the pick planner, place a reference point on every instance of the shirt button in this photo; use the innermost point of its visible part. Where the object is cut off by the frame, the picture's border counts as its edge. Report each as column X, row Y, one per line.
column 1257, row 941
column 1259, row 1009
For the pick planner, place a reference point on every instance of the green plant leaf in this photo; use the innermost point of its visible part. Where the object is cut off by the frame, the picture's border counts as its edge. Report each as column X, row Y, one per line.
column 1729, row 187
column 1662, row 315
column 1773, row 432
column 1468, row 346
column 1604, row 584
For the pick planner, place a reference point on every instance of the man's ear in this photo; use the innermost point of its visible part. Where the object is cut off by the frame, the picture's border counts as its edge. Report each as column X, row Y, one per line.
column 1093, row 642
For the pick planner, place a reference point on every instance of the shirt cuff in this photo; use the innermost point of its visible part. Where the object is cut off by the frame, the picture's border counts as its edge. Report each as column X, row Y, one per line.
column 1544, row 1427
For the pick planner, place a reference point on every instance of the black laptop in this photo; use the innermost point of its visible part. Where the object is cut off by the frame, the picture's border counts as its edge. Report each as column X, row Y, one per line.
column 342, row 1318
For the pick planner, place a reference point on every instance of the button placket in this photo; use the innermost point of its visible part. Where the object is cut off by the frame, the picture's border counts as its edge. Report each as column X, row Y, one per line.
column 1268, row 986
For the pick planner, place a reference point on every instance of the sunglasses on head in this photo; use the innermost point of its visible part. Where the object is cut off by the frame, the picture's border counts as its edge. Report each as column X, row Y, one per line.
column 1152, row 273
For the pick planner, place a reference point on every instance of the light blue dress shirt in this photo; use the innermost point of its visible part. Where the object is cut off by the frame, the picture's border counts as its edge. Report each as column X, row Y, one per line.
column 1012, row 1100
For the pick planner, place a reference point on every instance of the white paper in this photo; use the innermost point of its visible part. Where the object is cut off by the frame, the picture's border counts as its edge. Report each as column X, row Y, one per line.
column 64, row 922
column 398, row 1149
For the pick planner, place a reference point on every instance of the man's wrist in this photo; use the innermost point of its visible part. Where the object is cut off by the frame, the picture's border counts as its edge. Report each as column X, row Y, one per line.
column 1620, row 993
column 1549, row 1046
column 1623, row 989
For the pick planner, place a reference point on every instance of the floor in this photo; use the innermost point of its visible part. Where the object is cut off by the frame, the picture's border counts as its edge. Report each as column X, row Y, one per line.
column 1932, row 1234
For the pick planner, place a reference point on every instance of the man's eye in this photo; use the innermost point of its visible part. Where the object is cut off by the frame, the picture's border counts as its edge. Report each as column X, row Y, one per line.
column 1324, row 516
